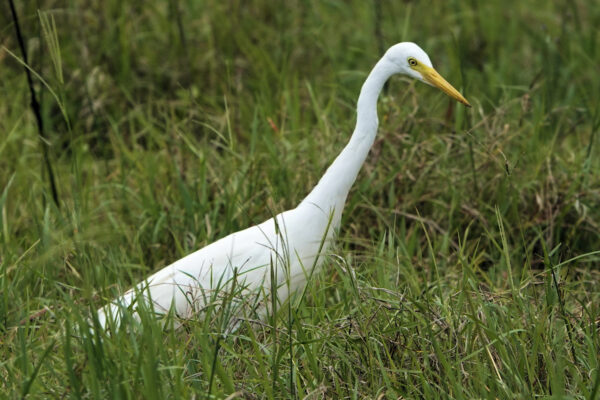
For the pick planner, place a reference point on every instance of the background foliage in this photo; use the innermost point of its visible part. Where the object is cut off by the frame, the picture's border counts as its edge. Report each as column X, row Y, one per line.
column 467, row 264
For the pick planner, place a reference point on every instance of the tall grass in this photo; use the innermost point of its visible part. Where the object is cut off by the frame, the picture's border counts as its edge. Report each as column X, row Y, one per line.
column 467, row 262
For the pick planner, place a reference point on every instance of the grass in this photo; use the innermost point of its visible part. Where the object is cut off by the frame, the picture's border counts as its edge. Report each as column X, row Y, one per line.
column 467, row 264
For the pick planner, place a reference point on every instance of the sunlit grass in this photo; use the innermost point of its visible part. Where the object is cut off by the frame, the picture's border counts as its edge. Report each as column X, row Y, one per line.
column 467, row 262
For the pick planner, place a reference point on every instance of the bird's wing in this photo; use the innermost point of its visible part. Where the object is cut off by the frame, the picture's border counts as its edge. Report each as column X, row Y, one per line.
column 185, row 284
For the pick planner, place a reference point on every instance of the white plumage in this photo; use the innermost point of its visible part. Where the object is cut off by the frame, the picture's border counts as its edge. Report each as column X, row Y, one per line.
column 291, row 244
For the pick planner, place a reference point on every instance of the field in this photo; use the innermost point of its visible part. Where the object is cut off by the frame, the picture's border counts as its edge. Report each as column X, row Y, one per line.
column 467, row 265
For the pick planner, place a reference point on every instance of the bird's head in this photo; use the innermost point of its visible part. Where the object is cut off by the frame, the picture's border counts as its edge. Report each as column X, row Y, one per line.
column 409, row 59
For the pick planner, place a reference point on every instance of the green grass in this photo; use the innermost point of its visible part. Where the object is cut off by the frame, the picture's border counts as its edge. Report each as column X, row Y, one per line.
column 467, row 264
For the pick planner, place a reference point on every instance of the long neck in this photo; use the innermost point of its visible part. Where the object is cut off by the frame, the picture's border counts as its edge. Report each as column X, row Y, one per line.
column 331, row 191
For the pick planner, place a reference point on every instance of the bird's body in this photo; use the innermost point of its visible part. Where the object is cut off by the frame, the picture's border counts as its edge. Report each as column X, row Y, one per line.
column 288, row 246
column 252, row 253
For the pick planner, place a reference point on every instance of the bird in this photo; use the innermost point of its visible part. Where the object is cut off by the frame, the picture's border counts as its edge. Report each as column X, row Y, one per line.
column 278, row 256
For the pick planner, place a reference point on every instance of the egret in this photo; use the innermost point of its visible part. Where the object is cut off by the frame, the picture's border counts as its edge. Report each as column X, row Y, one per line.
column 281, row 253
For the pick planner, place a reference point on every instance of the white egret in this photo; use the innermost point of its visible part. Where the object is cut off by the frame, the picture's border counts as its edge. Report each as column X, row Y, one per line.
column 282, row 251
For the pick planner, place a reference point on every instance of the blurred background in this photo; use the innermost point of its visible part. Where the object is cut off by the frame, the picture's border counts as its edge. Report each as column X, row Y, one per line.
column 170, row 124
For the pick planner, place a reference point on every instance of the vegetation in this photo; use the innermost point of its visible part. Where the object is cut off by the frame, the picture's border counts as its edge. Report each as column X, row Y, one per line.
column 467, row 264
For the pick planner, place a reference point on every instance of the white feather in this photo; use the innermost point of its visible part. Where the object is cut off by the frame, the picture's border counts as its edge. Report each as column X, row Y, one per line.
column 287, row 246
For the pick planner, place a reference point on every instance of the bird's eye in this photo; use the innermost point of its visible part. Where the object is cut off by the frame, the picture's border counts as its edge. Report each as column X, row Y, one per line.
column 412, row 62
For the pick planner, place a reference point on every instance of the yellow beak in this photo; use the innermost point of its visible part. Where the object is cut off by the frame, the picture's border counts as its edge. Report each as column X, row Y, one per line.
column 432, row 77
